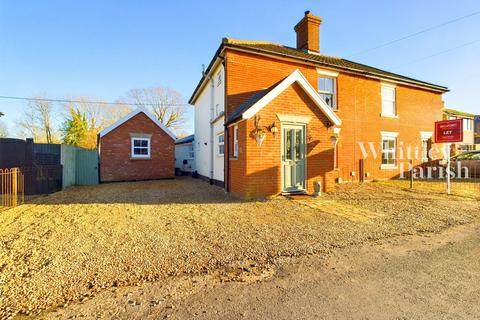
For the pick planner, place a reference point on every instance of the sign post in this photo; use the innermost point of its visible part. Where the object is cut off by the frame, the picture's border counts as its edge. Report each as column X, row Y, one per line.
column 449, row 184
column 449, row 131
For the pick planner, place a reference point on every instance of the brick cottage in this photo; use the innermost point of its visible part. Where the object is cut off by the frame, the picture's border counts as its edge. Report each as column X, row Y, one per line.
column 272, row 119
column 136, row 147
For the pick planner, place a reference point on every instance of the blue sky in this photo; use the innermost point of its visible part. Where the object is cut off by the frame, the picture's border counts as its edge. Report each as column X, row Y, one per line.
column 104, row 48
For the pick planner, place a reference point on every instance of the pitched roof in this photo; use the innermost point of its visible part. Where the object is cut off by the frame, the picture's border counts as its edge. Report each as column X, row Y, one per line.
column 186, row 139
column 458, row 113
column 319, row 59
column 263, row 97
column 131, row 115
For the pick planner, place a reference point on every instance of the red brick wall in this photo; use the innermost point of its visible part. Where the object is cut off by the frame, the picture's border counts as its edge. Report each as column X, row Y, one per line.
column 116, row 163
column 359, row 108
column 257, row 172
column 359, row 104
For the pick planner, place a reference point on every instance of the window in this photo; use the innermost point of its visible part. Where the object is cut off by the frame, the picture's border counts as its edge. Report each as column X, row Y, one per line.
column 235, row 141
column 140, row 147
column 326, row 89
column 425, row 149
column 389, row 108
column 219, row 79
column 221, row 144
column 467, row 124
column 389, row 147
column 191, row 152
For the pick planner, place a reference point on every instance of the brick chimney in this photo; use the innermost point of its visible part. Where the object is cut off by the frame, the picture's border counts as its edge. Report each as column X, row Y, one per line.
column 308, row 33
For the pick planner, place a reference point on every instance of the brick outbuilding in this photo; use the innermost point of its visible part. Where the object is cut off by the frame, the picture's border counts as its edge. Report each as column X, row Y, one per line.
column 136, row 147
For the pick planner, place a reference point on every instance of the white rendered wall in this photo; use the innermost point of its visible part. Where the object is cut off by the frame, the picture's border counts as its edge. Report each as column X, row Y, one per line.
column 203, row 119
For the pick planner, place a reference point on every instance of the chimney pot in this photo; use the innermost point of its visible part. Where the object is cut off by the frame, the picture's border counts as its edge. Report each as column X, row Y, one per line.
column 308, row 33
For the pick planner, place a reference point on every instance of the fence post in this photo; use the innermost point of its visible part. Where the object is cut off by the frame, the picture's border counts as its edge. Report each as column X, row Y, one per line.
column 362, row 170
column 14, row 187
column 449, row 187
column 411, row 173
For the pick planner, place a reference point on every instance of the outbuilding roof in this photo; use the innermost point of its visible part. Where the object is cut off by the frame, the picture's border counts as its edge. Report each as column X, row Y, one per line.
column 187, row 139
column 131, row 115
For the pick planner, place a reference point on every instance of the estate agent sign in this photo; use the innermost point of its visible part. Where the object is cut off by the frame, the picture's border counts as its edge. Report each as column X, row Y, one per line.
column 449, row 131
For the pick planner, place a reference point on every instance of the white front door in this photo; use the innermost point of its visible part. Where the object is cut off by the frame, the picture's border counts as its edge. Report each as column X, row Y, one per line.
column 293, row 158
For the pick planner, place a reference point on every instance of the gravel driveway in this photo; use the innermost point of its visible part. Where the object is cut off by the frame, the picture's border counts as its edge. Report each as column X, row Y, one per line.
column 73, row 244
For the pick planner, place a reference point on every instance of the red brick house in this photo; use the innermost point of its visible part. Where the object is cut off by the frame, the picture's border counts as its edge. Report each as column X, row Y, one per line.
column 136, row 147
column 273, row 119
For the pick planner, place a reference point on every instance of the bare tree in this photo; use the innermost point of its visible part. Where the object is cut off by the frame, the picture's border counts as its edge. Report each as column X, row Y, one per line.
column 165, row 103
column 84, row 117
column 37, row 121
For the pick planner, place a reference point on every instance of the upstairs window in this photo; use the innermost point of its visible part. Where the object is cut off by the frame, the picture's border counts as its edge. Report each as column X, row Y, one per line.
column 221, row 144
column 327, row 90
column 389, row 103
column 140, row 147
column 219, row 79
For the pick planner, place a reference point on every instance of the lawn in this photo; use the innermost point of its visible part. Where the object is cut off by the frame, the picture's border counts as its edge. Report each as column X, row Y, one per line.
column 75, row 243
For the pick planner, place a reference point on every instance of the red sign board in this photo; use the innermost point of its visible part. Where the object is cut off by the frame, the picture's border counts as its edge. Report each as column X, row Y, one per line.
column 449, row 131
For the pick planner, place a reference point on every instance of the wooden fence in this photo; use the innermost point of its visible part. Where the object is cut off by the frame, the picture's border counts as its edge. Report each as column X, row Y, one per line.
column 80, row 166
column 12, row 187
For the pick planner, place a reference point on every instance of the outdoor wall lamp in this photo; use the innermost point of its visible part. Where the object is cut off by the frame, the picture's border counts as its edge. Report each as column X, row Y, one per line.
column 273, row 129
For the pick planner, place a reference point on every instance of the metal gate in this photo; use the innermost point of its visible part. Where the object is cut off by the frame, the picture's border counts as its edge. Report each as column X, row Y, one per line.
column 12, row 187
column 86, row 171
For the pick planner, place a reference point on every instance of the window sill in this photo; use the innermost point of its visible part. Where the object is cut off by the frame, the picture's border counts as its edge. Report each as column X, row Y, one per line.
column 388, row 167
column 233, row 158
column 140, row 158
column 393, row 116
column 220, row 155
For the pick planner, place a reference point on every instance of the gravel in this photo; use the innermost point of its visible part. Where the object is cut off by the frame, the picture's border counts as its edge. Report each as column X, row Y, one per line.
column 70, row 245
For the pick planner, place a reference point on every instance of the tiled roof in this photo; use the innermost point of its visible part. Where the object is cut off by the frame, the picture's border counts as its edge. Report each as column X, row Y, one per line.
column 458, row 113
column 237, row 113
column 186, row 139
column 320, row 59
column 328, row 61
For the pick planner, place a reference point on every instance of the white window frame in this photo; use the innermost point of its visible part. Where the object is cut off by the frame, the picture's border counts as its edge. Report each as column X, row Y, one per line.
column 191, row 152
column 334, row 93
column 140, row 156
column 467, row 124
column 389, row 86
column 235, row 141
column 220, row 143
column 389, row 136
